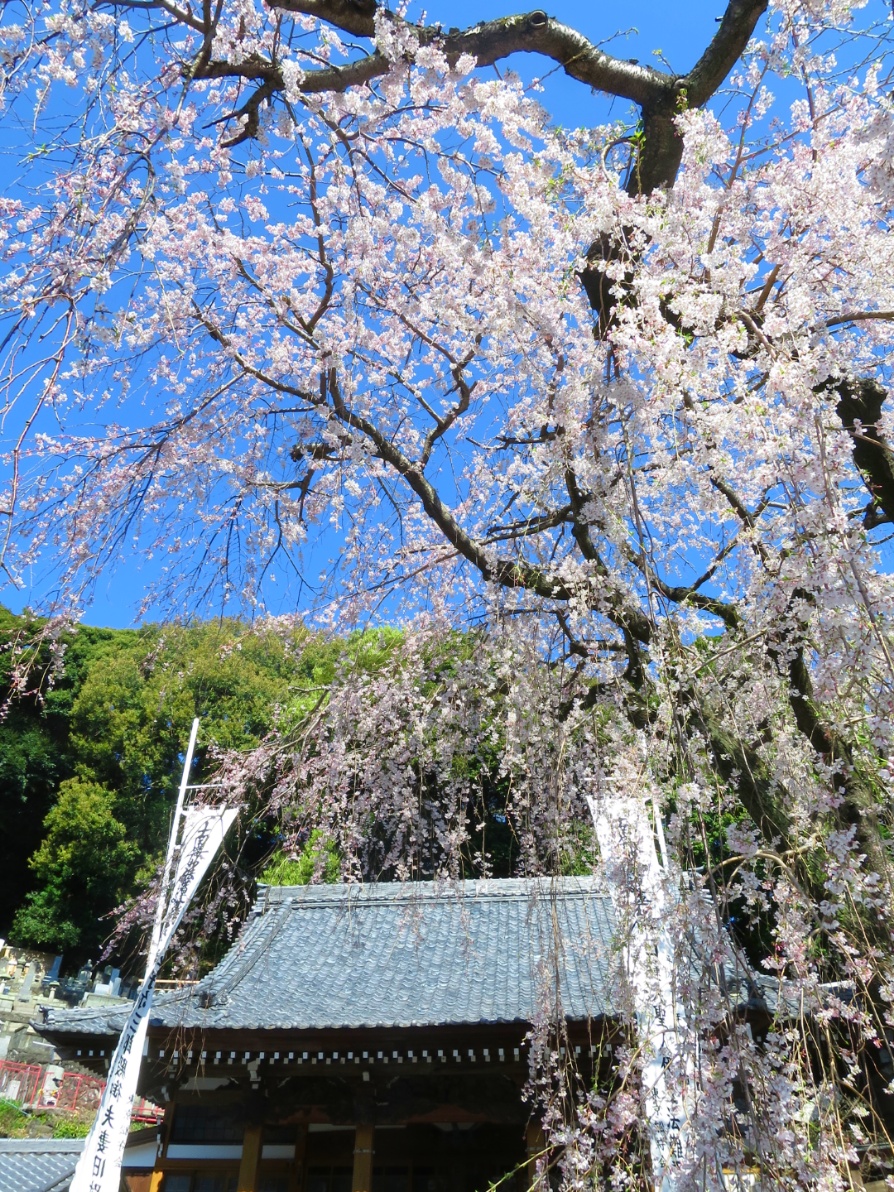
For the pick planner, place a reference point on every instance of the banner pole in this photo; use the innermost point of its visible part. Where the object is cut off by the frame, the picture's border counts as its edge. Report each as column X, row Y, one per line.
column 172, row 847
column 187, row 860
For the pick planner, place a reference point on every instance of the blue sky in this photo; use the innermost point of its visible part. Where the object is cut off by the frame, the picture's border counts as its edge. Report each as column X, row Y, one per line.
column 666, row 35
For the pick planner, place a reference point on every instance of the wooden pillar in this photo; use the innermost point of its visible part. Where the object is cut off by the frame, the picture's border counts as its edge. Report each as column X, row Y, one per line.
column 166, row 1126
column 250, row 1164
column 296, row 1184
column 535, row 1145
column 363, row 1159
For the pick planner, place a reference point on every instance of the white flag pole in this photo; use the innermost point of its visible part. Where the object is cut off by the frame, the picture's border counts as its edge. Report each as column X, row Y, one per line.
column 172, row 847
column 99, row 1167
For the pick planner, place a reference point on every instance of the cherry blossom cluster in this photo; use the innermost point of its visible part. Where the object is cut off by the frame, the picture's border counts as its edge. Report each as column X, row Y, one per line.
column 285, row 319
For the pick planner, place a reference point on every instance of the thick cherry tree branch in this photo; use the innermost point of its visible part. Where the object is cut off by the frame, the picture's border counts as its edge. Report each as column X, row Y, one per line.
column 858, row 809
column 860, row 409
column 732, row 36
column 508, row 573
column 859, row 806
column 660, row 148
column 488, row 42
column 659, row 95
column 491, row 41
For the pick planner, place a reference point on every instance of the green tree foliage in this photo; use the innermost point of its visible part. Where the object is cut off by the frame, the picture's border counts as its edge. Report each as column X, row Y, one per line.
column 84, row 857
column 319, row 860
column 91, row 754
column 34, row 757
column 90, row 758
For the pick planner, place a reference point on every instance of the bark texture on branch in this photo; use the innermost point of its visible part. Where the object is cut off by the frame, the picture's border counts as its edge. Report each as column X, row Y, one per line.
column 658, row 94
column 491, row 41
column 859, row 408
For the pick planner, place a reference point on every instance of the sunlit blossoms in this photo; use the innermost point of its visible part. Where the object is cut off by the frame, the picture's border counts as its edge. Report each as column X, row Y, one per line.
column 301, row 300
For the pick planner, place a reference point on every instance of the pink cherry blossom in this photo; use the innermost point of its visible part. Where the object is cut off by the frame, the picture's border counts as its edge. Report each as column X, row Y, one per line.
column 307, row 295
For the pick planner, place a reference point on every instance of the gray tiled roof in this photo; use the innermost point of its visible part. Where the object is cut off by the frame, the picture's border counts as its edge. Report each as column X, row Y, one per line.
column 38, row 1165
column 399, row 955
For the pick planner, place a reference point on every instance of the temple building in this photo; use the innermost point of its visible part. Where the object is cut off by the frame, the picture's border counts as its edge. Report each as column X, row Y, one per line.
column 371, row 1038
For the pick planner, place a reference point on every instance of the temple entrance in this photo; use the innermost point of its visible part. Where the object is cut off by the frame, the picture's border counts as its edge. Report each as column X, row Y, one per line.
column 464, row 1157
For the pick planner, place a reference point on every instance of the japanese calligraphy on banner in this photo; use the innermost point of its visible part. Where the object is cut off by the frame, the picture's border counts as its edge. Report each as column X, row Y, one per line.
column 636, row 882
column 203, row 832
column 99, row 1167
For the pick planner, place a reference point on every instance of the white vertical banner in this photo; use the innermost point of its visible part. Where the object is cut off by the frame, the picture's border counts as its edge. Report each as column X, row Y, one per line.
column 99, row 1167
column 637, row 886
